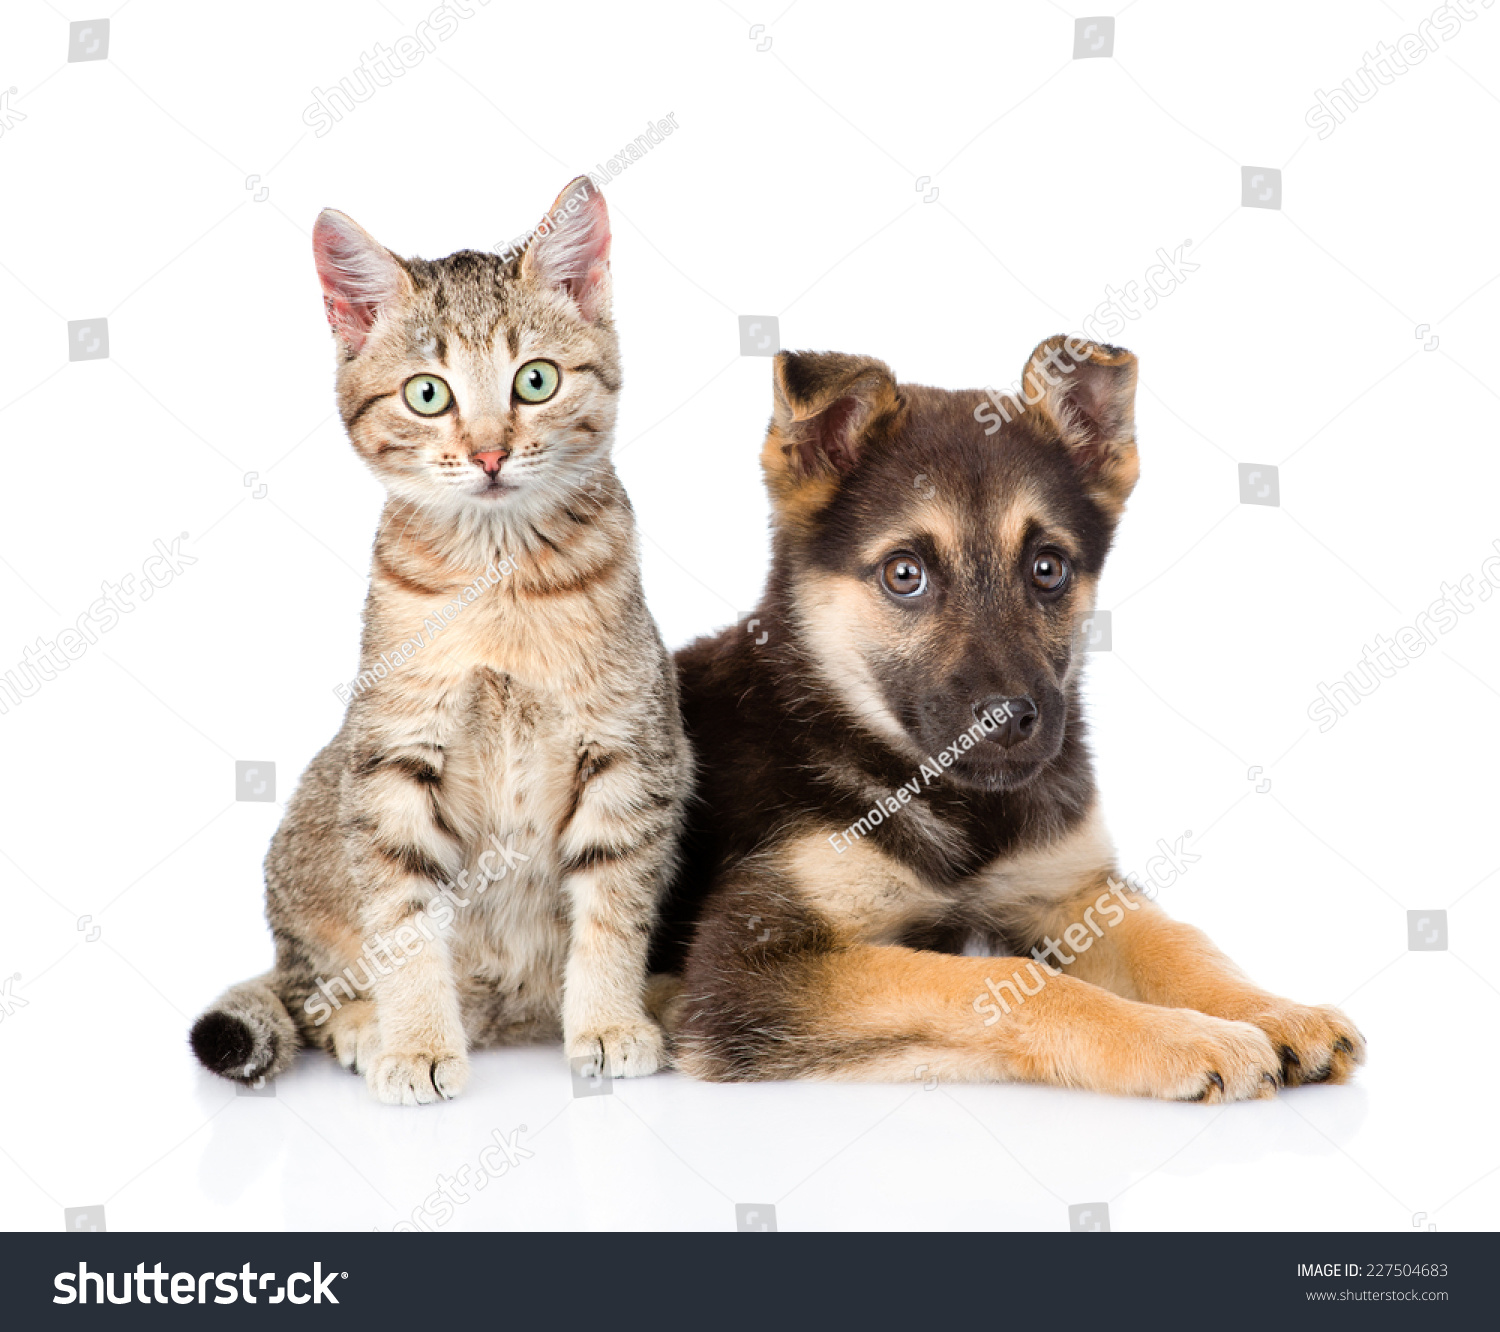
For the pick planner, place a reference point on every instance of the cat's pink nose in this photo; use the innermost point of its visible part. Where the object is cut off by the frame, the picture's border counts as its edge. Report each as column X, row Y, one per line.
column 490, row 461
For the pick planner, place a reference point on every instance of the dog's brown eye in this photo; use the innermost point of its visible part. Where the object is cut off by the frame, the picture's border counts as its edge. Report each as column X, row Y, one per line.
column 904, row 576
column 1049, row 571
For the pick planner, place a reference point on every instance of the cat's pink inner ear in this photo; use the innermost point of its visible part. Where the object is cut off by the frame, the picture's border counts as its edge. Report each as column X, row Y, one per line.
column 359, row 276
column 570, row 250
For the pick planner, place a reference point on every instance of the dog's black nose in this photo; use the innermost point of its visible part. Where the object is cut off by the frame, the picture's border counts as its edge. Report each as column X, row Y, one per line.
column 1008, row 721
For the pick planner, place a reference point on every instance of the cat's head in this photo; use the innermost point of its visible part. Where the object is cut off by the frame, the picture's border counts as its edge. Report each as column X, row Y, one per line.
column 477, row 382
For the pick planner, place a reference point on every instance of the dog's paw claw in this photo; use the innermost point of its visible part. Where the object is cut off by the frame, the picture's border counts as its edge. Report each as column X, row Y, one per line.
column 1215, row 1060
column 1316, row 1045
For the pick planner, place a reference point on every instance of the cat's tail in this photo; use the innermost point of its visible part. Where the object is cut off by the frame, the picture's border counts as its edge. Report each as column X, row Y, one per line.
column 247, row 1034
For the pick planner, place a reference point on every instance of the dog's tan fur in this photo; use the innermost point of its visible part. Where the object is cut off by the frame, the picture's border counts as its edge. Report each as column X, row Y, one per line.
column 809, row 953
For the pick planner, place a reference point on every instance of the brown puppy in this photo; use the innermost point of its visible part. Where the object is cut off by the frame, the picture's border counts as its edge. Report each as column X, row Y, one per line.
column 899, row 769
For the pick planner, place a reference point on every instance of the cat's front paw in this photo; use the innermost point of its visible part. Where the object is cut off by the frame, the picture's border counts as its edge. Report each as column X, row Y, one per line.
column 417, row 1078
column 354, row 1035
column 627, row 1049
column 1314, row 1044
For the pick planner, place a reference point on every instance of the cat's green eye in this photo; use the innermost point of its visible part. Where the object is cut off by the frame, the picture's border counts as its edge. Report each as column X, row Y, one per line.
column 536, row 381
column 427, row 395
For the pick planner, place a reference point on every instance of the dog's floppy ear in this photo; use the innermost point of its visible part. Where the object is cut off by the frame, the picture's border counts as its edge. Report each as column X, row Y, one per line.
column 1087, row 392
column 828, row 408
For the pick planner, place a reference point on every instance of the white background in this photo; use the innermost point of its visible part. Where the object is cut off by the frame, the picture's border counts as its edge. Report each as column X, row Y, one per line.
column 792, row 188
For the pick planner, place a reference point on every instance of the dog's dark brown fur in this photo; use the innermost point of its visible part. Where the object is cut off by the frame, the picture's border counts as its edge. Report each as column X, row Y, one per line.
column 808, row 951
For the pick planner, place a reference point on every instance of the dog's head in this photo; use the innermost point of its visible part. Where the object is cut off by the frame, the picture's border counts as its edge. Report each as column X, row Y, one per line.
column 937, row 553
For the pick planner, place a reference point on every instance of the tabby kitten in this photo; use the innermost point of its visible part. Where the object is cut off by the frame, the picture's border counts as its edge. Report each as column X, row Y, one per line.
column 479, row 852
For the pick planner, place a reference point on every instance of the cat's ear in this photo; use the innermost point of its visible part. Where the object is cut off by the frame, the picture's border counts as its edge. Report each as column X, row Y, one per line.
column 360, row 276
column 570, row 250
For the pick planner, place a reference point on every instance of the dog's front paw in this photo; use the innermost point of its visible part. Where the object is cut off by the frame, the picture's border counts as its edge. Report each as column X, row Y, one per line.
column 1314, row 1044
column 418, row 1078
column 1202, row 1058
column 627, row 1049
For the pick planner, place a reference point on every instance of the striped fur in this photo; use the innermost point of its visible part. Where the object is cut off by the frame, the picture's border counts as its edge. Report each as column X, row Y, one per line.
column 528, row 753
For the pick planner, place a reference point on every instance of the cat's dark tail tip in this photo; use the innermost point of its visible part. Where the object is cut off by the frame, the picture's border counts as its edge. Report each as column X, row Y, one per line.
column 247, row 1034
column 224, row 1044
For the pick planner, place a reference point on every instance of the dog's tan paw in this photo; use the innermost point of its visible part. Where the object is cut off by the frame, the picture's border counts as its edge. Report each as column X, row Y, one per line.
column 1202, row 1058
column 417, row 1079
column 623, row 1050
column 1313, row 1044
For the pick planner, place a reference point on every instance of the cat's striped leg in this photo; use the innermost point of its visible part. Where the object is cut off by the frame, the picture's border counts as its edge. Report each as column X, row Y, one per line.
column 619, row 852
column 402, row 853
